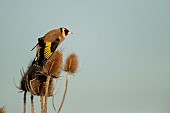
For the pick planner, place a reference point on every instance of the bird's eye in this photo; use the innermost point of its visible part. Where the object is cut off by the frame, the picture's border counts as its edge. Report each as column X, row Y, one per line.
column 66, row 31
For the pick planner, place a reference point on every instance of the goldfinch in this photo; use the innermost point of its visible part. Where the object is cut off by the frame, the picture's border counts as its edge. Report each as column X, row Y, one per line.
column 60, row 33
column 48, row 44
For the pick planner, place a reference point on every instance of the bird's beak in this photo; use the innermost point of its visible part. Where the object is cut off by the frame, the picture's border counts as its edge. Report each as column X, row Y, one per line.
column 69, row 33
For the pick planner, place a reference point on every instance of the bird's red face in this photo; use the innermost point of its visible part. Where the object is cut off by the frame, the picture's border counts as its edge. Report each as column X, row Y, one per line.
column 66, row 32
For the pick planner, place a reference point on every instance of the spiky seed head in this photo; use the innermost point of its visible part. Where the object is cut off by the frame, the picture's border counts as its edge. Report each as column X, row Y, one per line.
column 36, row 81
column 53, row 65
column 2, row 109
column 33, row 81
column 71, row 64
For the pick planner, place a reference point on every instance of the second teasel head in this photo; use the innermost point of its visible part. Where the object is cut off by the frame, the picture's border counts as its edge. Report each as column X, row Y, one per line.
column 53, row 65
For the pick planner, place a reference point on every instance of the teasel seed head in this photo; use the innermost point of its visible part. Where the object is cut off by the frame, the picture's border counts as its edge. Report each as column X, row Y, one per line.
column 33, row 81
column 2, row 109
column 53, row 65
column 71, row 64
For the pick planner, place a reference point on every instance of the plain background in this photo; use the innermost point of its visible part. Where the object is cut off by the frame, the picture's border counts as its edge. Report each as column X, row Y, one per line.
column 123, row 48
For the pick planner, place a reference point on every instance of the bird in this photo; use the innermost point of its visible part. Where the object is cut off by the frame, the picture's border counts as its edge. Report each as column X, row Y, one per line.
column 48, row 44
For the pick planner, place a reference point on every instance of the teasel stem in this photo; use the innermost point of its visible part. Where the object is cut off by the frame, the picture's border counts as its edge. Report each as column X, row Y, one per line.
column 32, row 104
column 53, row 94
column 46, row 92
column 42, row 99
column 25, row 93
column 66, row 87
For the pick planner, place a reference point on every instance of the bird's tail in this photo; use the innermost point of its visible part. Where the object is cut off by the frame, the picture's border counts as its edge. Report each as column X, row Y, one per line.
column 34, row 47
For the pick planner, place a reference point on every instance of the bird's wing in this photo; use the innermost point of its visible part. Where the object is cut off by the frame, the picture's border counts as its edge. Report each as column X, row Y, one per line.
column 55, row 44
column 34, row 47
column 50, row 48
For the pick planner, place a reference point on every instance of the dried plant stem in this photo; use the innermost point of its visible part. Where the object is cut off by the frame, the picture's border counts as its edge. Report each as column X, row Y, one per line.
column 32, row 104
column 32, row 90
column 46, row 92
column 55, row 92
column 66, row 87
column 53, row 101
column 25, row 93
column 42, row 100
column 56, row 84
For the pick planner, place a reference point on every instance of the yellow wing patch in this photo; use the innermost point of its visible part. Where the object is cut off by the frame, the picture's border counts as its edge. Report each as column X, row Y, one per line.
column 47, row 50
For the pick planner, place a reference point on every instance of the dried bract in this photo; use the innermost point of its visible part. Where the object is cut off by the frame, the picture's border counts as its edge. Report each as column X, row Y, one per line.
column 23, row 84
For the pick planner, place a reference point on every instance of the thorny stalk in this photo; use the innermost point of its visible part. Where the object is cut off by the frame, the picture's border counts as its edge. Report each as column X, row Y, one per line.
column 46, row 92
column 42, row 98
column 66, row 87
column 32, row 104
column 53, row 94
column 25, row 93
column 46, row 88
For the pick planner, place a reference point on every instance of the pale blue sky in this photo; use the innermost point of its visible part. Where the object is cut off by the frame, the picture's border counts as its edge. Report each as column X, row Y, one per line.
column 123, row 47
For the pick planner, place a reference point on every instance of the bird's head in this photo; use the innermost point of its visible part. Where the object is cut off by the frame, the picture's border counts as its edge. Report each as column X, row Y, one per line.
column 65, row 32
